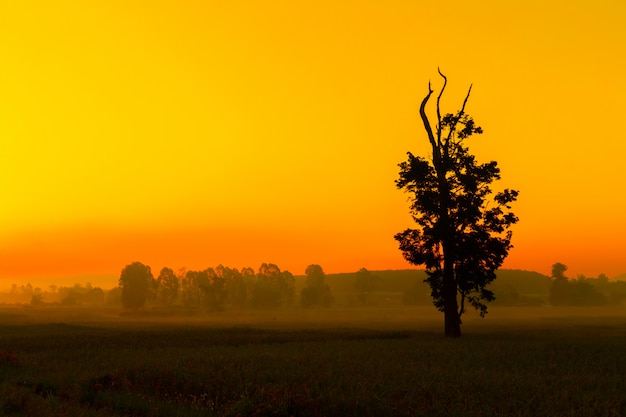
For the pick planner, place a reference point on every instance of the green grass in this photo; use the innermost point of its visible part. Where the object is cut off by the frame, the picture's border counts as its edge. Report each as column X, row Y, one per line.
column 524, row 362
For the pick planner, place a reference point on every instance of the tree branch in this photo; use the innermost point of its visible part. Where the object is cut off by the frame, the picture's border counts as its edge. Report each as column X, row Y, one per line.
column 465, row 101
column 458, row 116
column 445, row 82
column 425, row 120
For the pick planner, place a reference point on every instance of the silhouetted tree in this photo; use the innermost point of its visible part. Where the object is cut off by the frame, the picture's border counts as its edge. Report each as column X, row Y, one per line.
column 585, row 293
column 192, row 288
column 235, row 285
column 558, row 270
column 578, row 292
column 213, row 289
column 73, row 295
column 560, row 290
column 37, row 300
column 189, row 291
column 93, row 295
column 114, row 296
column 167, row 291
column 317, row 291
column 272, row 287
column 136, row 281
column 463, row 234
column 364, row 284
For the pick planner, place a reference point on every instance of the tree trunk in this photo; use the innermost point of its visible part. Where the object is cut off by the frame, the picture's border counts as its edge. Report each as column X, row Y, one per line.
column 452, row 324
column 441, row 163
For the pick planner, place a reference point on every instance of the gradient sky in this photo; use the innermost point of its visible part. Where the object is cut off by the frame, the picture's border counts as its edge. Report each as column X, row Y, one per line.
column 194, row 133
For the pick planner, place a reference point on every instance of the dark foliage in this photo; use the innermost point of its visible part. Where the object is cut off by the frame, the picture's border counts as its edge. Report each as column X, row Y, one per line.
column 167, row 287
column 364, row 284
column 273, row 288
column 317, row 291
column 136, row 281
column 579, row 292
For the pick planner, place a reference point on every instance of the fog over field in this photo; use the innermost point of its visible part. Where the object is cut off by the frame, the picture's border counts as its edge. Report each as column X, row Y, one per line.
column 368, row 343
column 365, row 299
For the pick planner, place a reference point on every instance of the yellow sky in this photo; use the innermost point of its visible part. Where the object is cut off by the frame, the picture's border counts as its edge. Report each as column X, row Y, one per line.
column 194, row 133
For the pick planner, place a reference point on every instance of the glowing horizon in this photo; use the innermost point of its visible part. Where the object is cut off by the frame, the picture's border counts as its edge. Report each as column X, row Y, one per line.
column 197, row 134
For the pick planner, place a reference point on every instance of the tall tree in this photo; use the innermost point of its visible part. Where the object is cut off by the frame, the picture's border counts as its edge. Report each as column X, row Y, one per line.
column 462, row 235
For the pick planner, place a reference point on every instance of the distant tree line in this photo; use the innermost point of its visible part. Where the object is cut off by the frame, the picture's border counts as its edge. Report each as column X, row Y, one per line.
column 270, row 288
column 583, row 291
column 74, row 295
column 525, row 288
column 214, row 288
column 210, row 289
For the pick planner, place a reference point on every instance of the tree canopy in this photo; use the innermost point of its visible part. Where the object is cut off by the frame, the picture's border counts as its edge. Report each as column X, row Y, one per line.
column 136, row 281
column 463, row 232
column 317, row 291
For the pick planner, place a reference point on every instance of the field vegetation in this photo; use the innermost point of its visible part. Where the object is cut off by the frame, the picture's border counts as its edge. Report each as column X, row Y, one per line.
column 383, row 360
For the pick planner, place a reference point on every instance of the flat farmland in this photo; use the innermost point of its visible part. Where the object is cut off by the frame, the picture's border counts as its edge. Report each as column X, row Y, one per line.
column 383, row 361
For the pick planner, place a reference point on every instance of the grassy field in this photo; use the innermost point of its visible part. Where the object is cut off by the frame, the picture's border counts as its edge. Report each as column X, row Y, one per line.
column 354, row 362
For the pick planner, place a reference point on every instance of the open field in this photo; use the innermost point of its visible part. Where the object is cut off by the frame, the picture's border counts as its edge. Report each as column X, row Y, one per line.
column 368, row 362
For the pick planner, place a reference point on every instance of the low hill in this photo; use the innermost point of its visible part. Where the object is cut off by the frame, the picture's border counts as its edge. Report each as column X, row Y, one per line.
column 103, row 281
column 397, row 286
column 621, row 277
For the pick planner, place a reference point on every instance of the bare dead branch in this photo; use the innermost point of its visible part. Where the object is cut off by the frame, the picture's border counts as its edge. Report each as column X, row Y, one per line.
column 452, row 128
column 425, row 120
column 445, row 82
column 465, row 101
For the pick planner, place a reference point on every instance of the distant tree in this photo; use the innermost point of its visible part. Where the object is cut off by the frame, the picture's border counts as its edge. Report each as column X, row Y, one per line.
column 272, row 287
column 585, row 293
column 167, row 287
column 37, row 300
column 193, row 286
column 560, row 290
column 136, row 281
column 189, row 291
column 287, row 288
column 235, row 285
column 213, row 289
column 463, row 235
column 266, row 287
column 578, row 292
column 73, row 295
column 113, row 297
column 249, row 278
column 27, row 289
column 558, row 270
column 616, row 292
column 317, row 291
column 364, row 284
column 94, row 296
column 603, row 279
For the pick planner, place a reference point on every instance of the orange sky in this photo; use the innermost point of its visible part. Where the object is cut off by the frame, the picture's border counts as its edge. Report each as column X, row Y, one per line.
column 195, row 133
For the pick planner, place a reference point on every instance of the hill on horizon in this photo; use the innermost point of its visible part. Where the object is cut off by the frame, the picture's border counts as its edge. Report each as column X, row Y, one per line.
column 104, row 281
column 389, row 280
